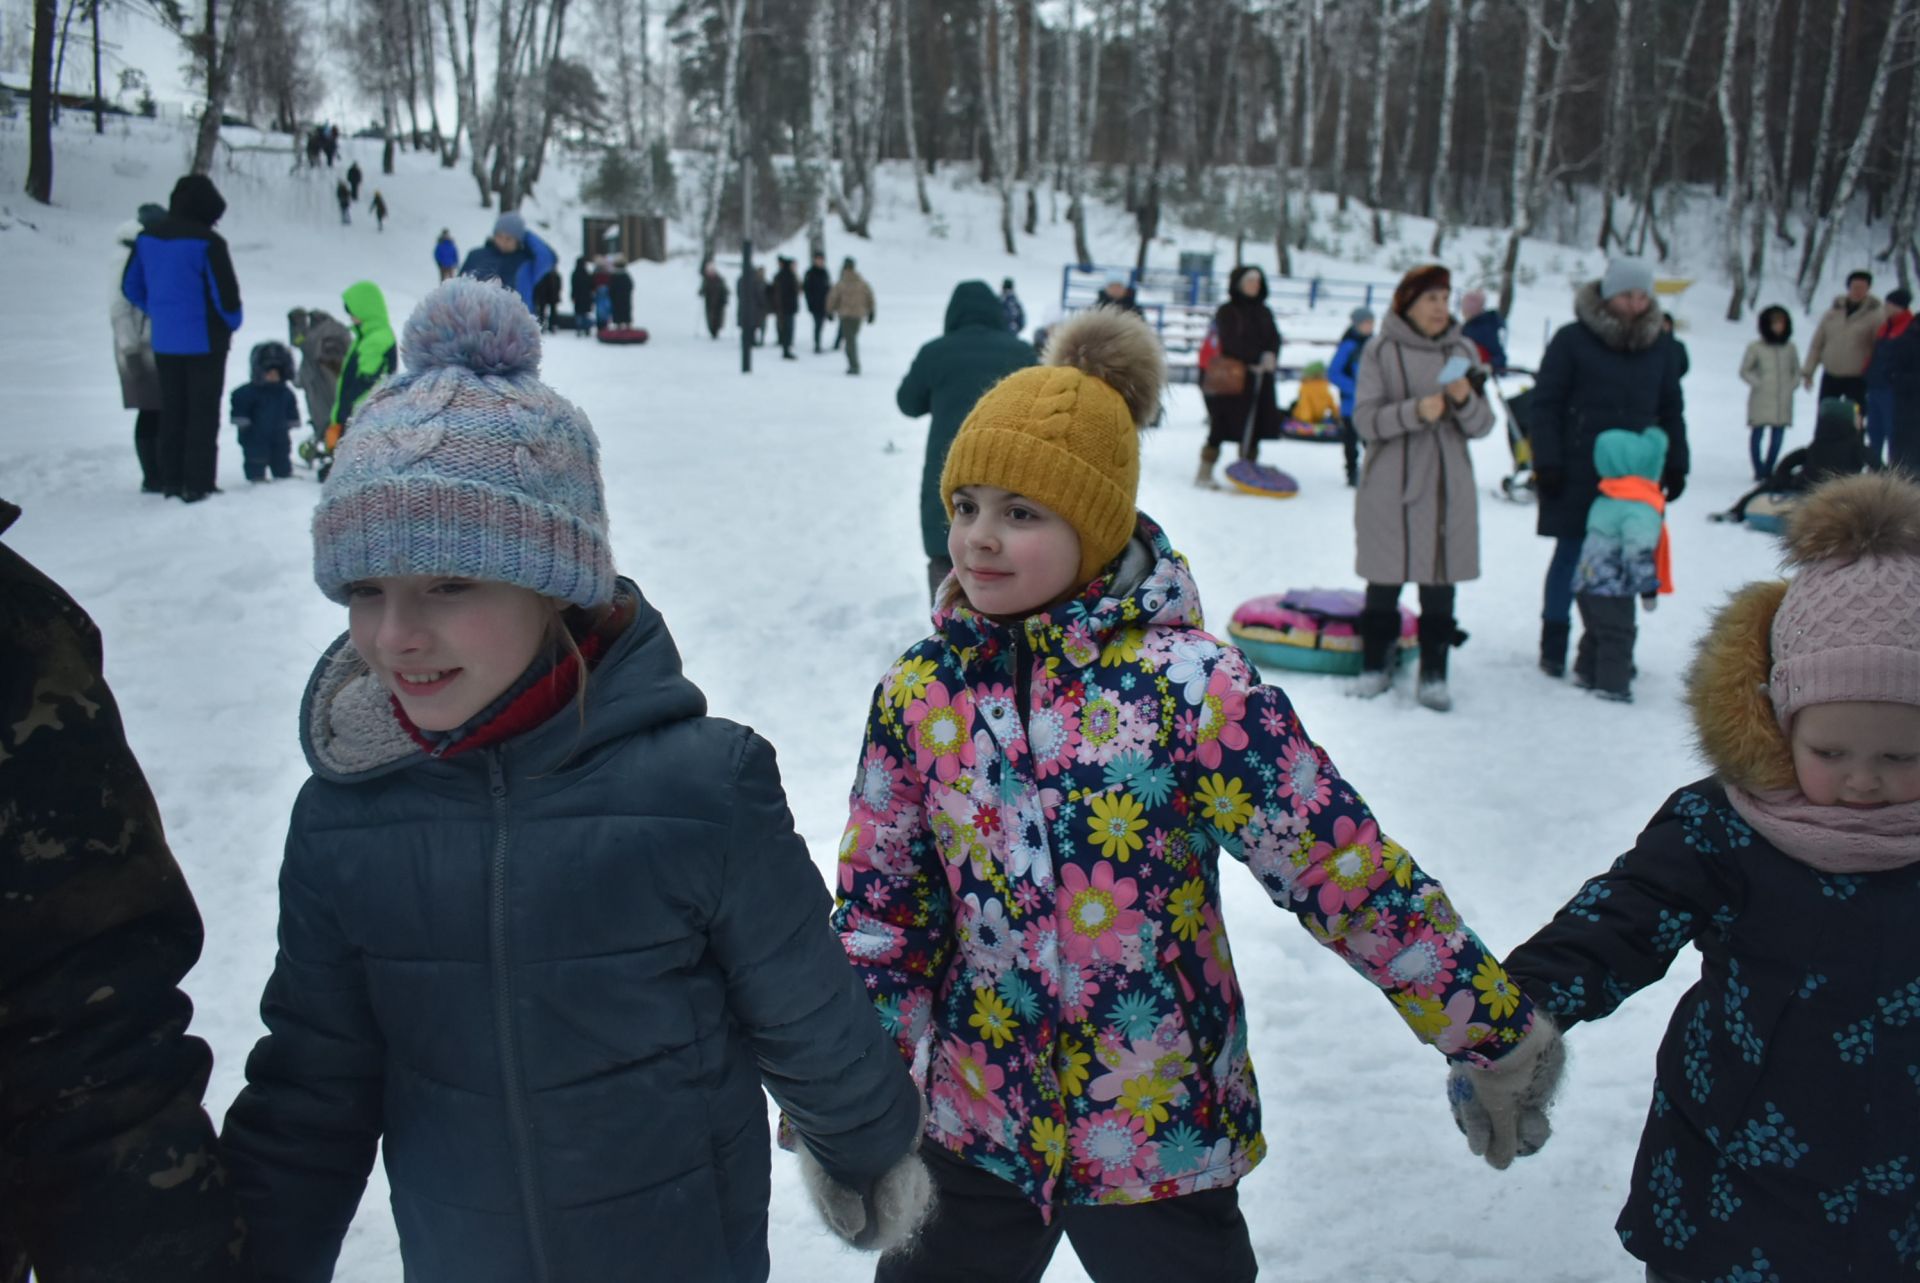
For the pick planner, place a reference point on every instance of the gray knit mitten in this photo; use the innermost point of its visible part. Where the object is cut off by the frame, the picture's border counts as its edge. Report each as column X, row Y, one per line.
column 878, row 1219
column 1502, row 1110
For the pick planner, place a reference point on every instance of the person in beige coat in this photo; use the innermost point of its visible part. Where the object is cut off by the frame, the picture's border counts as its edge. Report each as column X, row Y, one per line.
column 133, row 359
column 1416, row 513
column 1770, row 367
column 1843, row 342
column 851, row 299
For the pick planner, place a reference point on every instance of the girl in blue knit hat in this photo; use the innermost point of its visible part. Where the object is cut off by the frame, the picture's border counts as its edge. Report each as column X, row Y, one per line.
column 546, row 929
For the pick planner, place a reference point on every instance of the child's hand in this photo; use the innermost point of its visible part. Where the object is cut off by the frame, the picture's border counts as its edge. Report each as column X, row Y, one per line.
column 1502, row 1111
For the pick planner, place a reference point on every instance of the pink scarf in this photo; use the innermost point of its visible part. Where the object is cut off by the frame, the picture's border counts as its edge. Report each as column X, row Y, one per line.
column 1832, row 839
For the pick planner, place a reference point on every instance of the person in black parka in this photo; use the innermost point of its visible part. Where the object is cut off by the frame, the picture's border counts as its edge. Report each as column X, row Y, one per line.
column 713, row 294
column 947, row 376
column 109, row 1172
column 817, row 283
column 1613, row 366
column 786, row 306
column 620, row 294
column 1903, row 377
column 1245, row 329
column 548, row 937
column 580, row 292
column 1781, row 1145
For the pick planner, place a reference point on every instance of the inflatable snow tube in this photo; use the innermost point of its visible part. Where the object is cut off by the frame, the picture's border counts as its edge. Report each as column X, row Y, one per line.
column 1258, row 478
column 622, row 335
column 1296, row 430
column 1768, row 513
column 1311, row 630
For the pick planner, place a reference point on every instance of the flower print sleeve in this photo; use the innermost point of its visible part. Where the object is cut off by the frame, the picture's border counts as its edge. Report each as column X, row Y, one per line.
column 1622, row 930
column 1277, row 803
column 892, row 905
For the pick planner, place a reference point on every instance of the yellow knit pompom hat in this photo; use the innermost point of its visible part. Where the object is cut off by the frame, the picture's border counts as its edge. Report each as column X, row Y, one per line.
column 1065, row 433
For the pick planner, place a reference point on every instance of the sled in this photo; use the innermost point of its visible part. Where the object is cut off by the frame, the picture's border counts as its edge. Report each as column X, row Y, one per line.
column 1312, row 630
column 626, row 334
column 1261, row 479
column 1327, row 430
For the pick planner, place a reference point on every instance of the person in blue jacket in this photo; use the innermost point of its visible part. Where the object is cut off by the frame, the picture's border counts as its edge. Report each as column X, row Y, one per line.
column 181, row 276
column 446, row 255
column 514, row 256
column 546, row 928
column 1487, row 328
column 1343, row 372
column 265, row 412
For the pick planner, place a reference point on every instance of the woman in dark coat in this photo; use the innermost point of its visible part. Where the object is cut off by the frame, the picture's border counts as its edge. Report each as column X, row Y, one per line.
column 1246, row 331
column 580, row 291
column 714, row 295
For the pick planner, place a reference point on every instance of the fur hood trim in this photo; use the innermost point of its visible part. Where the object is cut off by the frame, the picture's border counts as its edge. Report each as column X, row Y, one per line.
column 1636, row 335
column 1727, row 689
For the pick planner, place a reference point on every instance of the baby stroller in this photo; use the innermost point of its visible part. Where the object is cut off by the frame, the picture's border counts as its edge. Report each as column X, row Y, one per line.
column 1518, row 484
column 323, row 344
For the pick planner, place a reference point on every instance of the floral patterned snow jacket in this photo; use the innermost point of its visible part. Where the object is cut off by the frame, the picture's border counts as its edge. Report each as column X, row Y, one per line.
column 1029, row 882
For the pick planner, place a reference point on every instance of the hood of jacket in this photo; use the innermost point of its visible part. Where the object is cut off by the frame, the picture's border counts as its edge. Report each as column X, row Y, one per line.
column 351, row 734
column 1637, row 335
column 1733, row 717
column 975, row 303
column 196, row 199
column 270, row 356
column 366, row 305
column 1151, row 585
column 1399, row 329
column 1766, row 315
column 1630, row 452
column 1233, row 285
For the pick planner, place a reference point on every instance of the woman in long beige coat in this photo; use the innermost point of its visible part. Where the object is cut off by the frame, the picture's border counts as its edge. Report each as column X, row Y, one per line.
column 1771, row 367
column 1416, row 515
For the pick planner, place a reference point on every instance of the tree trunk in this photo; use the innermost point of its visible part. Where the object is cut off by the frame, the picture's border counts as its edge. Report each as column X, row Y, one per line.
column 40, row 103
column 1377, row 122
column 1730, row 148
column 1344, row 99
column 816, row 157
column 1524, row 123
column 995, row 113
column 1440, row 183
column 1821, row 241
column 1783, row 190
column 1409, row 192
column 220, row 46
column 1287, row 172
column 1644, row 220
column 1823, row 139
column 1900, row 233
column 1617, row 123
column 99, row 118
column 1076, row 133
column 1759, row 167
column 734, row 14
column 907, row 112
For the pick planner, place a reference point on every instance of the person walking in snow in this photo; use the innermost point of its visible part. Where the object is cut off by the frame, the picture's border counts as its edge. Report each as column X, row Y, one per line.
column 947, row 377
column 1781, row 1131
column 816, row 285
column 1010, row 305
column 1030, row 876
column 786, row 306
column 851, row 300
column 181, row 276
column 353, row 180
column 1612, row 366
column 514, row 256
column 1249, row 339
column 1770, row 367
column 1880, row 369
column 713, row 294
column 379, row 210
column 108, row 1165
column 580, row 294
column 372, row 358
column 1625, row 556
column 343, row 197
column 546, row 928
column 133, row 359
column 1842, row 343
column 1344, row 372
column 446, row 255
column 619, row 293
column 1416, row 512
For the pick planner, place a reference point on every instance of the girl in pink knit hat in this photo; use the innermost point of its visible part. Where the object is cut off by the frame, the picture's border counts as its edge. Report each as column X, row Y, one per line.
column 1782, row 1141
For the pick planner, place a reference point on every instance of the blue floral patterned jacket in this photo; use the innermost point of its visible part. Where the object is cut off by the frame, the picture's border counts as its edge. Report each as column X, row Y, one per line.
column 1029, row 882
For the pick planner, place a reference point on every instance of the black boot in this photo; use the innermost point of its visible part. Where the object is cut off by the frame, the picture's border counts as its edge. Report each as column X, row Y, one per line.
column 1438, row 635
column 1553, row 647
column 1379, row 634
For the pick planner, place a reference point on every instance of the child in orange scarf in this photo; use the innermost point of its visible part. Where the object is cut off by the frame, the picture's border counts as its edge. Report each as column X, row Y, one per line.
column 1625, row 556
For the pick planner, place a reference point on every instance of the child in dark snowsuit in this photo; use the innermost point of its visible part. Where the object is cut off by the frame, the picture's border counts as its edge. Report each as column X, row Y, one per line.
column 1624, row 556
column 1838, row 450
column 547, row 934
column 1781, row 1145
column 1031, row 873
column 265, row 412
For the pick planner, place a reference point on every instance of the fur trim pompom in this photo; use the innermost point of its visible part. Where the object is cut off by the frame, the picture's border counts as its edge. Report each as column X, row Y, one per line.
column 1117, row 348
column 1875, row 514
column 1733, row 714
column 476, row 325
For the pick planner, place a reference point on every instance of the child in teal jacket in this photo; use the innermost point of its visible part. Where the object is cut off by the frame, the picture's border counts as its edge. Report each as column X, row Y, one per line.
column 1624, row 556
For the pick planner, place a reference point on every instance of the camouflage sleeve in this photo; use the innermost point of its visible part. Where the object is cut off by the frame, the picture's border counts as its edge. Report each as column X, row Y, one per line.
column 108, row 1164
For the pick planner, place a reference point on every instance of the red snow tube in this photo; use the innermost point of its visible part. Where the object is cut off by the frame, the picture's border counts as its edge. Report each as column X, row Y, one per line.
column 624, row 334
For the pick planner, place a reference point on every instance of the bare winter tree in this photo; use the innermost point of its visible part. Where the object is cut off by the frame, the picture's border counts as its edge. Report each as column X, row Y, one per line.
column 996, row 111
column 1736, row 190
column 214, row 44
column 1440, row 198
column 40, row 104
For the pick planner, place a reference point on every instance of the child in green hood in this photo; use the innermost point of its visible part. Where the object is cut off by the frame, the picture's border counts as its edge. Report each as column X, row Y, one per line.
column 372, row 357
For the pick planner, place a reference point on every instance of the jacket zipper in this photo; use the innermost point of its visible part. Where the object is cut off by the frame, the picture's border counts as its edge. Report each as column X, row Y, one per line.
column 1022, row 682
column 520, row 1132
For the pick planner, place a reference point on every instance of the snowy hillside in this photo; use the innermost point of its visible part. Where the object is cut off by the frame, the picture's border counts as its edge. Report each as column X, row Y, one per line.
column 772, row 519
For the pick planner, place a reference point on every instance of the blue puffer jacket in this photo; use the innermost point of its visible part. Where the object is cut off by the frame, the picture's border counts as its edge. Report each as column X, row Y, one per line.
column 520, row 270
column 181, row 276
column 552, row 976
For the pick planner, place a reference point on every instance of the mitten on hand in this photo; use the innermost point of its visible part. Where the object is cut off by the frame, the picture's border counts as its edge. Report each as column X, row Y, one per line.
column 1672, row 484
column 1502, row 1110
column 878, row 1219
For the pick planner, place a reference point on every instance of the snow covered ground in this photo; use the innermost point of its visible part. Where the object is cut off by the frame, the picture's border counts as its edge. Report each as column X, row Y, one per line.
column 773, row 520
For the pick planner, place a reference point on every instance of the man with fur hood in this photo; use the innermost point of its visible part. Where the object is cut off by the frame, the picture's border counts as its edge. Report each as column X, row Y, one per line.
column 1613, row 366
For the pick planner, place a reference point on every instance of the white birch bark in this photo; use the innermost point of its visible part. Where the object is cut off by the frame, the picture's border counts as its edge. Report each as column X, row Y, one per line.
column 907, row 113
column 1521, row 178
column 1736, row 191
column 1377, row 122
column 734, row 16
column 1440, row 182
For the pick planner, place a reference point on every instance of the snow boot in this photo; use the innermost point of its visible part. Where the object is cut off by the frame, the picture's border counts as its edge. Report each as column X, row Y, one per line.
column 1379, row 633
column 1209, row 455
column 1437, row 636
column 1553, row 646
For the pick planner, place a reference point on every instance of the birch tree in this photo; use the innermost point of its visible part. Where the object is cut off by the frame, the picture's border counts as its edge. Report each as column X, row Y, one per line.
column 1377, row 122
column 733, row 15
column 907, row 114
column 1613, row 145
column 1759, row 157
column 996, row 111
column 1523, row 160
column 1440, row 182
column 1823, row 137
column 1736, row 191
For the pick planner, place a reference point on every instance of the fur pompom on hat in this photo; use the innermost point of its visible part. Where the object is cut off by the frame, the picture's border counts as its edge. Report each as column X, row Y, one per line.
column 1849, row 626
column 1065, row 433
column 466, row 464
column 1418, row 281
